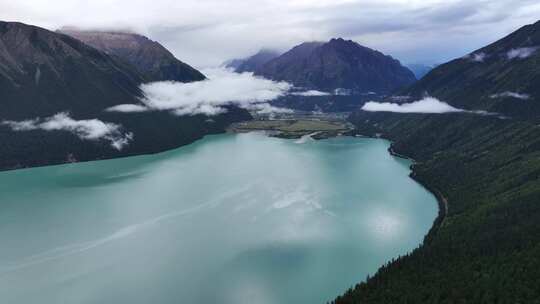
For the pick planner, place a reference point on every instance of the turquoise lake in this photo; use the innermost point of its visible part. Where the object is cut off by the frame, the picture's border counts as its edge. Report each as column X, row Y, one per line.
column 230, row 219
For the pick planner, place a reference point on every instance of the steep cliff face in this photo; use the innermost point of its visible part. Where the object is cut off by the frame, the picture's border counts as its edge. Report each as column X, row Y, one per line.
column 338, row 64
column 149, row 57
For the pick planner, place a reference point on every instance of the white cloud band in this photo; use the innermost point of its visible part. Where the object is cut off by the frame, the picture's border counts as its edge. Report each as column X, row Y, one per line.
column 89, row 129
column 425, row 105
column 511, row 95
column 311, row 93
column 127, row 108
column 223, row 87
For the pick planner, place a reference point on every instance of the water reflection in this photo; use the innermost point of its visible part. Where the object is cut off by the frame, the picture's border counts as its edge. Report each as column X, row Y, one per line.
column 231, row 219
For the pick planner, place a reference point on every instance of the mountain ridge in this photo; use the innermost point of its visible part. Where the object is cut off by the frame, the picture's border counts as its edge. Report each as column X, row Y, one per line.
column 43, row 63
column 486, row 78
column 149, row 57
column 337, row 64
column 54, row 92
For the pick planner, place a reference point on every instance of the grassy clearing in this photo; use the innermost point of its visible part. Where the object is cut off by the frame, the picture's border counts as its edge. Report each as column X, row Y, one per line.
column 295, row 128
column 291, row 125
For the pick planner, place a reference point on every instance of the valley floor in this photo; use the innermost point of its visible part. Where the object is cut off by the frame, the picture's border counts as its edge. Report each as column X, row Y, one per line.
column 296, row 127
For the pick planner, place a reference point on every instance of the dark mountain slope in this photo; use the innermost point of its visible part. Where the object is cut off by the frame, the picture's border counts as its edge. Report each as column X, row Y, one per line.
column 338, row 64
column 43, row 73
column 252, row 63
column 153, row 132
column 485, row 245
column 486, row 248
column 149, row 57
column 484, row 79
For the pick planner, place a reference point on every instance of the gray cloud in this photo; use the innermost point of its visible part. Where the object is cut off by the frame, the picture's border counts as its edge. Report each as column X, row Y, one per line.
column 90, row 129
column 207, row 32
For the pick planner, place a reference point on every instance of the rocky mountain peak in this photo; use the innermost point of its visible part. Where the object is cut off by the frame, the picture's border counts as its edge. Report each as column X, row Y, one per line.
column 149, row 57
column 338, row 64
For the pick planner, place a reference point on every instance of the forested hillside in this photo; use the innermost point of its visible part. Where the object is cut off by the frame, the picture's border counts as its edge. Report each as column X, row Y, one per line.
column 54, row 95
column 485, row 245
column 487, row 248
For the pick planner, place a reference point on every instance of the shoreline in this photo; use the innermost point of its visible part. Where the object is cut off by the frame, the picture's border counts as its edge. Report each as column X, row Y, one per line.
column 134, row 154
column 229, row 129
column 442, row 200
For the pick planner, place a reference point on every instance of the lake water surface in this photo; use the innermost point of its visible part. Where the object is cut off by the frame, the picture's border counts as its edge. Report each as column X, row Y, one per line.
column 231, row 219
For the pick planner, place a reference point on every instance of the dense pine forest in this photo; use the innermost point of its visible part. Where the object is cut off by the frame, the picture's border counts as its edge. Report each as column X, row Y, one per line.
column 484, row 167
column 486, row 249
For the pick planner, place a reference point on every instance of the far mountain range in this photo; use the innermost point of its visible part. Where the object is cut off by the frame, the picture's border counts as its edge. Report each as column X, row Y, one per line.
column 327, row 66
column 81, row 73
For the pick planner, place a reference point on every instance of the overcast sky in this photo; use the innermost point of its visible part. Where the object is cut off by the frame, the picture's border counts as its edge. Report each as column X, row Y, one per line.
column 206, row 32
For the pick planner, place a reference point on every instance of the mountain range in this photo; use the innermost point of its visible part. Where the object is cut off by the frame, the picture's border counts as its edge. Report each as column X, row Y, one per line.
column 51, row 81
column 153, row 61
column 338, row 64
column 346, row 73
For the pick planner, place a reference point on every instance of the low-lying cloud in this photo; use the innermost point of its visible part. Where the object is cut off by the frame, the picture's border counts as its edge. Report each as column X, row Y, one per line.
column 223, row 87
column 521, row 53
column 425, row 105
column 88, row 129
column 477, row 57
column 265, row 108
column 311, row 93
column 127, row 108
column 511, row 95
column 517, row 53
